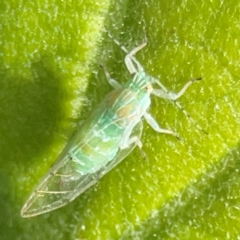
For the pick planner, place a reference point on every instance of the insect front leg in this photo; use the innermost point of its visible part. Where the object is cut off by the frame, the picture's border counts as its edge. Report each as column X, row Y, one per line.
column 115, row 84
column 129, row 60
column 164, row 93
column 152, row 122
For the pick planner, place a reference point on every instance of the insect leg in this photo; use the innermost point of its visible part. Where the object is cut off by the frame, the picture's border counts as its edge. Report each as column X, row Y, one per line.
column 164, row 93
column 134, row 140
column 139, row 144
column 111, row 81
column 152, row 122
column 129, row 59
column 126, row 141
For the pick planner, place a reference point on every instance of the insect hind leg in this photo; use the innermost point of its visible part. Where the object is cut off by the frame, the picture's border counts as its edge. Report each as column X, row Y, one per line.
column 134, row 140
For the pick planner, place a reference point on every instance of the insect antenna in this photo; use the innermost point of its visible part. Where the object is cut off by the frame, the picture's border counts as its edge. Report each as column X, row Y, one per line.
column 194, row 122
column 115, row 40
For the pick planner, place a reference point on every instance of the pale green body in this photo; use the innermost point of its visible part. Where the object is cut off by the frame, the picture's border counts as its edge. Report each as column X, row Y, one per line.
column 104, row 140
column 100, row 144
column 110, row 125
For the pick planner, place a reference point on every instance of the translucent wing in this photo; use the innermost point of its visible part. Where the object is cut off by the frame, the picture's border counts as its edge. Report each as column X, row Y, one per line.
column 62, row 184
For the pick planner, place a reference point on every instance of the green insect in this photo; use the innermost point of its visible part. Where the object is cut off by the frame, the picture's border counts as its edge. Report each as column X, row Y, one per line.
column 109, row 134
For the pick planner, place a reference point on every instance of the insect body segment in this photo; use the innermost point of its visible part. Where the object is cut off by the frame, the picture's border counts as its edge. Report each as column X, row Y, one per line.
column 104, row 140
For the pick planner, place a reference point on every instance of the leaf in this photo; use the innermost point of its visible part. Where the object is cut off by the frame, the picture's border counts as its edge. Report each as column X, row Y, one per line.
column 186, row 189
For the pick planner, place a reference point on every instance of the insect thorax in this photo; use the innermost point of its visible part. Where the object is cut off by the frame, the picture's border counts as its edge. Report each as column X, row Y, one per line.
column 140, row 81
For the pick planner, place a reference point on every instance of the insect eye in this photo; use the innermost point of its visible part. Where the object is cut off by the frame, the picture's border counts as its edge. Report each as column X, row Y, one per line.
column 147, row 88
column 133, row 74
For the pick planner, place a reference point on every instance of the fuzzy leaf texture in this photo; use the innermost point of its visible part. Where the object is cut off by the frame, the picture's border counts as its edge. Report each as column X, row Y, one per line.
column 50, row 53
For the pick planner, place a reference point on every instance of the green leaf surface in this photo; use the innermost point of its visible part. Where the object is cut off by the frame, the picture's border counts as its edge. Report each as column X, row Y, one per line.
column 51, row 80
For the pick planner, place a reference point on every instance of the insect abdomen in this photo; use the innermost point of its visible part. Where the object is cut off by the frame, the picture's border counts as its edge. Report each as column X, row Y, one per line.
column 103, row 140
column 100, row 148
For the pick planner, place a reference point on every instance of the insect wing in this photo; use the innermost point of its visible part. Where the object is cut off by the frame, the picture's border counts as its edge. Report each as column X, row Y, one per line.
column 58, row 188
column 123, row 153
column 62, row 184
column 92, row 178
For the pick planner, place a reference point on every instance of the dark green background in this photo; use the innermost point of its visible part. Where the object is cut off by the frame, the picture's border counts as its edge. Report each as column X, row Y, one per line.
column 51, row 80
